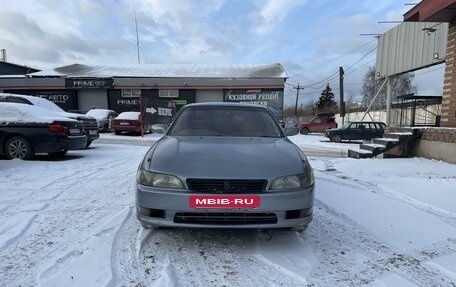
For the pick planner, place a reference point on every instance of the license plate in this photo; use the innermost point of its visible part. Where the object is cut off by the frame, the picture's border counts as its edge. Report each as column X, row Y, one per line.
column 74, row 131
column 224, row 201
column 93, row 132
column 124, row 124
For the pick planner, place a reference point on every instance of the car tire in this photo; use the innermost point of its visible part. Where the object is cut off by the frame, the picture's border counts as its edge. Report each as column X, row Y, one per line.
column 18, row 147
column 58, row 154
column 304, row 131
column 105, row 128
column 88, row 143
column 337, row 138
column 117, row 132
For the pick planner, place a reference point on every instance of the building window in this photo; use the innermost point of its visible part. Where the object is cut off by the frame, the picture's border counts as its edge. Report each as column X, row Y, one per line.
column 131, row 93
column 168, row 94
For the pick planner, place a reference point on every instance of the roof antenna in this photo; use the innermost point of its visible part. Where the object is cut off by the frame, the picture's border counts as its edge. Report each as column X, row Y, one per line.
column 137, row 35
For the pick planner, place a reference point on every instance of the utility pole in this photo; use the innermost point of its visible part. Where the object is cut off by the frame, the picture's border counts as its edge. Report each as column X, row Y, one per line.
column 296, row 105
column 341, row 98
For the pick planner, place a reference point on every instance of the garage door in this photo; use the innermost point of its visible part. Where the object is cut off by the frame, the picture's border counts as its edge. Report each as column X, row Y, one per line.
column 89, row 99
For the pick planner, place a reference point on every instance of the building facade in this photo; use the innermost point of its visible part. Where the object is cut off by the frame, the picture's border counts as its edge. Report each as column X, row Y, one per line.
column 159, row 89
column 442, row 11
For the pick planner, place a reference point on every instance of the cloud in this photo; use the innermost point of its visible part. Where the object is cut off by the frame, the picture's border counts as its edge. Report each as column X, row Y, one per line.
column 272, row 14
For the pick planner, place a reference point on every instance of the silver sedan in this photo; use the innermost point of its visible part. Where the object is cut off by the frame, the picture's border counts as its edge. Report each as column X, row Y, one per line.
column 225, row 165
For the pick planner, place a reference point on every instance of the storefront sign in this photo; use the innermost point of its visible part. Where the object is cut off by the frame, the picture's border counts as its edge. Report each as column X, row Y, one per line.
column 89, row 83
column 270, row 98
column 63, row 98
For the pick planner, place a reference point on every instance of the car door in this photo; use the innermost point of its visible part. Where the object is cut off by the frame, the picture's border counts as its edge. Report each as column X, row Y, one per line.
column 353, row 132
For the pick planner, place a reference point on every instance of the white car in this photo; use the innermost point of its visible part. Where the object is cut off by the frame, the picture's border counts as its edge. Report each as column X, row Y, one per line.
column 104, row 118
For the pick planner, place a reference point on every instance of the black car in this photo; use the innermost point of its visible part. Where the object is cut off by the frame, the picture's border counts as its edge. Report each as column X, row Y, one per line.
column 26, row 130
column 356, row 131
column 90, row 124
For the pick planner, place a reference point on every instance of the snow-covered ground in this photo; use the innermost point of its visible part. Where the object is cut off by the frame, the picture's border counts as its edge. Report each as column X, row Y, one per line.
column 377, row 222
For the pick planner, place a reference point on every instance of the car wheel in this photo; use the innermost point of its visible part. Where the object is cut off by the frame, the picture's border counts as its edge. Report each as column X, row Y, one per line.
column 304, row 131
column 18, row 147
column 88, row 143
column 58, row 154
column 337, row 138
column 105, row 128
column 117, row 132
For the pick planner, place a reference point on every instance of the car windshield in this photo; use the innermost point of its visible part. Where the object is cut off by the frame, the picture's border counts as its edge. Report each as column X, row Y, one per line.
column 346, row 125
column 98, row 114
column 225, row 121
column 44, row 103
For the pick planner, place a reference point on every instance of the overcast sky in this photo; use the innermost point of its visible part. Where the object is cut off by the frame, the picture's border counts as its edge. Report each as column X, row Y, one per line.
column 310, row 38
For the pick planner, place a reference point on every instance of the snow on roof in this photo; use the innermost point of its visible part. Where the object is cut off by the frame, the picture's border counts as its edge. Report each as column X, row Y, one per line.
column 23, row 113
column 168, row 70
column 128, row 116
column 37, row 101
column 98, row 113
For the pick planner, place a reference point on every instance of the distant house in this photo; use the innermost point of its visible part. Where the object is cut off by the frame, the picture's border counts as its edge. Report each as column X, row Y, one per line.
column 7, row 68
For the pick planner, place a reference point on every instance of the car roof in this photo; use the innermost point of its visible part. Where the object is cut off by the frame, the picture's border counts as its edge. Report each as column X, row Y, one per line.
column 363, row 122
column 225, row 104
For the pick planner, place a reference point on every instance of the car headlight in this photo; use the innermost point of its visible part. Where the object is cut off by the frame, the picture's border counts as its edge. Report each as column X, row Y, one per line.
column 158, row 179
column 293, row 181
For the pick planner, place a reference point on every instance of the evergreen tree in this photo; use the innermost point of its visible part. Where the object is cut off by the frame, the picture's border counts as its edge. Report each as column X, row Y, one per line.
column 326, row 102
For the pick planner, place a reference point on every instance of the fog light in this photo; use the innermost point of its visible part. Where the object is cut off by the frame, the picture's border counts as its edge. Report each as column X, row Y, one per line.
column 151, row 212
column 299, row 213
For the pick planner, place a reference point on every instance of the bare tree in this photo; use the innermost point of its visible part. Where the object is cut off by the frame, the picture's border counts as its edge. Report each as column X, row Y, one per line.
column 401, row 85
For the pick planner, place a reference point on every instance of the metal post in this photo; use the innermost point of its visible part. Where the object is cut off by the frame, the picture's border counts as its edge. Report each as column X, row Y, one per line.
column 389, row 90
column 373, row 100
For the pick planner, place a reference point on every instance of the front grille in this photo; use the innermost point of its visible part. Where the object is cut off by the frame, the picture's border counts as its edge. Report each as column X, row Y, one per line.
column 90, row 124
column 235, row 186
column 228, row 218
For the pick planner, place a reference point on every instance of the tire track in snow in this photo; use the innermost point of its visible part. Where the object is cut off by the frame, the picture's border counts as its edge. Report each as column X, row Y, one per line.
column 444, row 215
column 409, row 265
column 208, row 257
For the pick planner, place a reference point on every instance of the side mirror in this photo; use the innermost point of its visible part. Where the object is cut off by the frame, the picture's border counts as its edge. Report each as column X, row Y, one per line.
column 159, row 128
column 290, row 131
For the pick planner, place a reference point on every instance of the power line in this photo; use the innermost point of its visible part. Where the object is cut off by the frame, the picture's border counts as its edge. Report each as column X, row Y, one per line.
column 344, row 55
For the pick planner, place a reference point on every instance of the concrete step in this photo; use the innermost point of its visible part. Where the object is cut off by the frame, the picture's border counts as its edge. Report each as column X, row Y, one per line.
column 359, row 154
column 372, row 147
column 398, row 135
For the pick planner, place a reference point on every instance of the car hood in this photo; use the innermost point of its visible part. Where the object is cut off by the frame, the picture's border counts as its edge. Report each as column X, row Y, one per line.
column 226, row 157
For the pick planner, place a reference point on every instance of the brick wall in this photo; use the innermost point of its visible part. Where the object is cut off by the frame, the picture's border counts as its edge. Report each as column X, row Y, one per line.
column 449, row 87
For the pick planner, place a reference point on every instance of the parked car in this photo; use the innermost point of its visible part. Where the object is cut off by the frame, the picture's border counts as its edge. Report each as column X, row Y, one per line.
column 89, row 123
column 104, row 118
column 129, row 122
column 224, row 165
column 357, row 131
column 318, row 124
column 26, row 130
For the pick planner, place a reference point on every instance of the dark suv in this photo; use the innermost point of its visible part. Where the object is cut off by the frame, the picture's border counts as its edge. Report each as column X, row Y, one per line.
column 89, row 123
column 318, row 124
column 356, row 131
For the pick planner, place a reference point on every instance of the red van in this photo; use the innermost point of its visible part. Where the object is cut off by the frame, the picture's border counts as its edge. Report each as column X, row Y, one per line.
column 319, row 124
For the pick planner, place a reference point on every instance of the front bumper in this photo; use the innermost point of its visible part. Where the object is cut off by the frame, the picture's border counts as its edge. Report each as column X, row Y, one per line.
column 174, row 202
